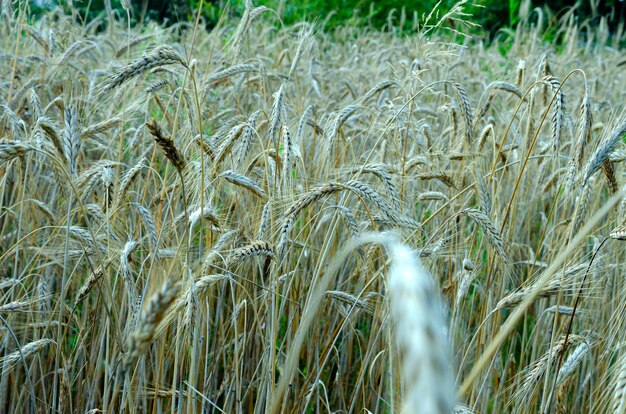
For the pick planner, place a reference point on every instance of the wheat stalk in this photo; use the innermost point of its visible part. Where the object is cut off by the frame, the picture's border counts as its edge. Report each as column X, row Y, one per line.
column 419, row 329
column 10, row 361
column 160, row 56
column 162, row 138
column 604, row 150
column 12, row 149
column 489, row 229
column 154, row 310
column 244, row 182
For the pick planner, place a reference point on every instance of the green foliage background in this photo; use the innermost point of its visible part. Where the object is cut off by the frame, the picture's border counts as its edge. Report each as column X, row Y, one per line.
column 490, row 15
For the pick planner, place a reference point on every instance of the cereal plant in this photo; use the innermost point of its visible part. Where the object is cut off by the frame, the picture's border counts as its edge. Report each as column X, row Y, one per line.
column 268, row 218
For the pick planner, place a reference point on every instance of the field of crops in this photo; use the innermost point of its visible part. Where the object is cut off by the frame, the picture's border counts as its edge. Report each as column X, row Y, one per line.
column 260, row 218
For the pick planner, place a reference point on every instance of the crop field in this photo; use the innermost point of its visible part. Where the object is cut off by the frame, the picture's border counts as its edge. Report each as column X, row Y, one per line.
column 269, row 218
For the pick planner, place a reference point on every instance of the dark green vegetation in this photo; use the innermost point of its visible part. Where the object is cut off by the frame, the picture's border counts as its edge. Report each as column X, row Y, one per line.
column 490, row 15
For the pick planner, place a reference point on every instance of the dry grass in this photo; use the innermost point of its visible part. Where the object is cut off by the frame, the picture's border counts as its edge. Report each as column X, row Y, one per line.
column 261, row 219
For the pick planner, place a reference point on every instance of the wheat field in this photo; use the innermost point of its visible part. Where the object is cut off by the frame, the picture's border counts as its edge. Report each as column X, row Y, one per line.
column 260, row 218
